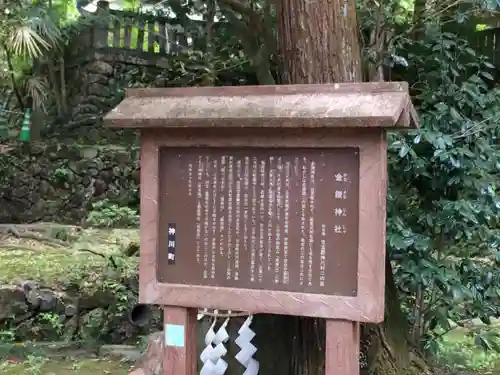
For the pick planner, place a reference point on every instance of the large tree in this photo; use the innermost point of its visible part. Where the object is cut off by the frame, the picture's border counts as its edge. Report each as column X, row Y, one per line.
column 318, row 41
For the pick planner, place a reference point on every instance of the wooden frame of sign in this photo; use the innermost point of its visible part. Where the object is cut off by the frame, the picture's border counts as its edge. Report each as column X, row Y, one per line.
column 265, row 199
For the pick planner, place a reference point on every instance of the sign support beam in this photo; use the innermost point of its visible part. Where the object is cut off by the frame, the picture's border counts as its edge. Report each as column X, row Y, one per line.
column 180, row 341
column 342, row 347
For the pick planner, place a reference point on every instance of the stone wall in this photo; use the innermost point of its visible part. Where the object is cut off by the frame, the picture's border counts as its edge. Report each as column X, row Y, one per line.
column 58, row 182
column 78, row 160
column 98, row 86
column 92, row 94
column 94, row 87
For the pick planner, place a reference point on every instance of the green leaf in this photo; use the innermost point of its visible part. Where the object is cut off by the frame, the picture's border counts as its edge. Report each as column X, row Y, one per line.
column 485, row 319
column 482, row 342
column 457, row 293
column 455, row 114
column 398, row 242
column 487, row 76
column 495, row 345
column 403, row 151
column 470, row 51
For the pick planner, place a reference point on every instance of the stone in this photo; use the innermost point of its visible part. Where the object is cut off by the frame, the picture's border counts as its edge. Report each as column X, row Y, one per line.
column 86, row 180
column 82, row 121
column 126, row 352
column 48, row 301
column 89, row 152
column 29, row 285
column 37, row 148
column 123, row 157
column 91, row 78
column 35, row 169
column 20, row 191
column 161, row 82
column 136, row 176
column 100, row 187
column 12, row 302
column 151, row 361
column 94, row 172
column 100, row 67
column 71, row 326
column 85, row 108
column 100, row 90
column 32, row 299
column 96, row 101
column 46, row 190
column 64, row 180
column 70, row 310
column 106, row 176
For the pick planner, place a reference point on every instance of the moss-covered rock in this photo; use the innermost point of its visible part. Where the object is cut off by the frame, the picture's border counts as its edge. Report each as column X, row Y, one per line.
column 59, row 182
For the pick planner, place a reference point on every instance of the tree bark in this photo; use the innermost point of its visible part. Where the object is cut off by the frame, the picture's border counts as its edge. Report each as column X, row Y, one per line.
column 318, row 41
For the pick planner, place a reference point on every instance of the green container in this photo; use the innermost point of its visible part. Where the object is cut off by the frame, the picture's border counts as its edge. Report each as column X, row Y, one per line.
column 4, row 127
column 24, row 134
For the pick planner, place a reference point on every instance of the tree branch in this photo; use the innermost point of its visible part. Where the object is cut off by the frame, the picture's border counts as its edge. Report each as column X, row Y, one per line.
column 258, row 52
column 12, row 77
column 239, row 7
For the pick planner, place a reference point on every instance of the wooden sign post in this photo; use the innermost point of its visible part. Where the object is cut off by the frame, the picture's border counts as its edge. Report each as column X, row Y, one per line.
column 265, row 199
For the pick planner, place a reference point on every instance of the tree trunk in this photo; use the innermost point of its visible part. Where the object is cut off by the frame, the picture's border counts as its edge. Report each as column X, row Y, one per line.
column 318, row 42
column 419, row 12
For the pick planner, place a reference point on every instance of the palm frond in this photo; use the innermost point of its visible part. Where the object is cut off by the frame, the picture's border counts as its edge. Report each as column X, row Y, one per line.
column 38, row 88
column 26, row 41
column 44, row 23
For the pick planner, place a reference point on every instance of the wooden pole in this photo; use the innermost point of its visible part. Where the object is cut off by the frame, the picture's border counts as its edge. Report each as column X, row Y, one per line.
column 180, row 341
column 342, row 348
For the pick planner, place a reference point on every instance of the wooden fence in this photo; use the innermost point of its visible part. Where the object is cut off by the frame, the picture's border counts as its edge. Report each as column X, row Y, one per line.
column 133, row 32
column 145, row 34
column 128, row 33
column 138, row 32
column 487, row 42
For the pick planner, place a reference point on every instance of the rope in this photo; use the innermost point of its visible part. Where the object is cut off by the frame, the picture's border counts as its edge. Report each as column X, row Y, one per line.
column 218, row 314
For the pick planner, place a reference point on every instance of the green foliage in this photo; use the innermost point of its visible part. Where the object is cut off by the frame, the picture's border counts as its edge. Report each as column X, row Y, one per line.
column 28, row 31
column 94, row 268
column 444, row 209
column 7, row 335
column 42, row 364
column 458, row 352
column 109, row 215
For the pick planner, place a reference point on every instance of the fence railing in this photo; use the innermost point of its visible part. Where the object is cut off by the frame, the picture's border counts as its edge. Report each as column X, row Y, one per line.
column 487, row 42
column 128, row 31
column 138, row 32
column 144, row 33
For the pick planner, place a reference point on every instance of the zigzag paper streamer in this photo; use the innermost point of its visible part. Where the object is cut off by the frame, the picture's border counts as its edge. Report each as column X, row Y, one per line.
column 248, row 350
column 211, row 356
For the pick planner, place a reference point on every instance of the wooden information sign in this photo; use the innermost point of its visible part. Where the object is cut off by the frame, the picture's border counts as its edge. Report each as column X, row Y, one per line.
column 265, row 199
column 260, row 219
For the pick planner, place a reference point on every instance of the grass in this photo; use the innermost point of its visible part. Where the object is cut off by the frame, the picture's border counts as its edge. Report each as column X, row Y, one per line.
column 459, row 352
column 49, row 264
column 53, row 265
column 44, row 366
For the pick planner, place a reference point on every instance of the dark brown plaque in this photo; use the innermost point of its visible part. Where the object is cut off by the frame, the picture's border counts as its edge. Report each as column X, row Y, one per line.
column 271, row 219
